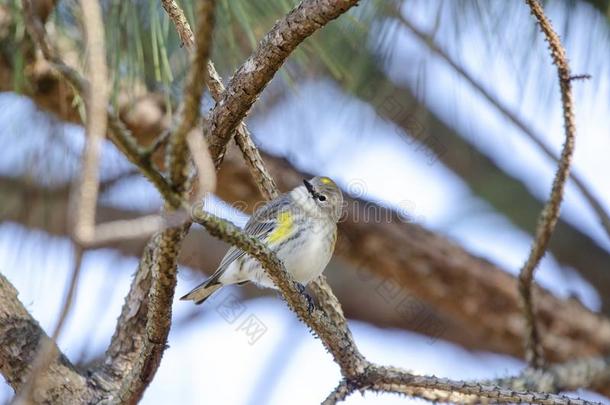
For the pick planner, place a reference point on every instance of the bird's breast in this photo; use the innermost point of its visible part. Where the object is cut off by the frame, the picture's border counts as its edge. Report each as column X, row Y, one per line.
column 308, row 259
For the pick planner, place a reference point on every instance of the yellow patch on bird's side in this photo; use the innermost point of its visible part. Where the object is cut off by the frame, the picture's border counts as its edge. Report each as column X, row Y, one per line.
column 326, row 180
column 283, row 229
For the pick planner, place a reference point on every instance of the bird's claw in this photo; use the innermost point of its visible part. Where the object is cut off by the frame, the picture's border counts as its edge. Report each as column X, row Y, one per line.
column 310, row 302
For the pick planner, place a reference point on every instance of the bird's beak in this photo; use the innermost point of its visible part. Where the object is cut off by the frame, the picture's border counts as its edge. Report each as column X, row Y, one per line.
column 309, row 188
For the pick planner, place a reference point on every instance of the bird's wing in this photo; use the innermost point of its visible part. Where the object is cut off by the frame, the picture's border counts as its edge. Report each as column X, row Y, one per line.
column 260, row 225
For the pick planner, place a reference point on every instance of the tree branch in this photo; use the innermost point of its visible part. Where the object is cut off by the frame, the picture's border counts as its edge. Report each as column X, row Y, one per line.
column 340, row 393
column 20, row 341
column 252, row 77
column 193, row 91
column 343, row 350
column 120, row 136
column 358, row 371
column 259, row 172
column 537, row 139
column 389, row 379
column 586, row 373
column 96, row 123
column 145, row 359
column 549, row 215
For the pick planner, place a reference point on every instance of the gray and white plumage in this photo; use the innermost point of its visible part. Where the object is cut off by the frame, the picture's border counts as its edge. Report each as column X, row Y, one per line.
column 299, row 226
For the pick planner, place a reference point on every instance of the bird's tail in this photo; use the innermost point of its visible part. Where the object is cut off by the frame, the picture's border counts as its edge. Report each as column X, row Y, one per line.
column 203, row 291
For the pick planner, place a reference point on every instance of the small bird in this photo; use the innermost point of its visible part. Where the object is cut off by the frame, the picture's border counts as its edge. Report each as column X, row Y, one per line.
column 300, row 227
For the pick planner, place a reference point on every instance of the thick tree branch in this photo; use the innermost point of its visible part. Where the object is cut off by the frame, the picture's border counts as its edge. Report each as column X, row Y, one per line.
column 252, row 77
column 147, row 357
column 549, row 215
column 20, row 340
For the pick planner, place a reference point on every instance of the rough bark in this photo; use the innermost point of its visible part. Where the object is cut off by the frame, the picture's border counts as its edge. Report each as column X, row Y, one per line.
column 251, row 78
column 20, row 338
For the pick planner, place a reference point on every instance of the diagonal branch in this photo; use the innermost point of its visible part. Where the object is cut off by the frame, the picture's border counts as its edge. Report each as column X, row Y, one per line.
column 252, row 77
column 359, row 373
column 549, row 215
column 343, row 349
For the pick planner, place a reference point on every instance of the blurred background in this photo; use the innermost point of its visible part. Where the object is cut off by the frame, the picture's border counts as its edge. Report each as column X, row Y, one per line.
column 427, row 108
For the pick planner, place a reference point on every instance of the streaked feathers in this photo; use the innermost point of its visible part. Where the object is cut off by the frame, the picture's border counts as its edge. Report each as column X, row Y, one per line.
column 300, row 227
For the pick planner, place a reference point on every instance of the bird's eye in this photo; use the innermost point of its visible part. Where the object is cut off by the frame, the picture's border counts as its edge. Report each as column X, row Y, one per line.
column 322, row 197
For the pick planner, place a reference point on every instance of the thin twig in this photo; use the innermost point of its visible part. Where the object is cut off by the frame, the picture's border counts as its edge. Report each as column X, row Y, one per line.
column 193, row 91
column 253, row 158
column 47, row 350
column 340, row 393
column 583, row 76
column 214, row 81
column 96, row 125
column 550, row 213
column 594, row 203
column 179, row 19
column 390, row 379
column 119, row 135
column 206, row 173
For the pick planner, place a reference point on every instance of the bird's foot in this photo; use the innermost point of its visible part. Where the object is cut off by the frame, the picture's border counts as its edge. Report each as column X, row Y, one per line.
column 310, row 301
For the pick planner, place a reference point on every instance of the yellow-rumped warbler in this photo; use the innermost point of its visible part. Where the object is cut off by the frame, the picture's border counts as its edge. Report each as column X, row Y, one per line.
column 299, row 226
